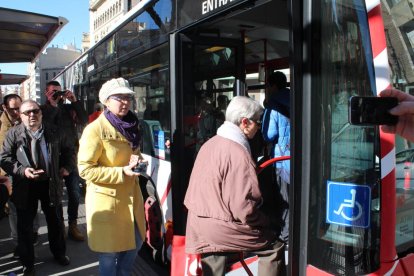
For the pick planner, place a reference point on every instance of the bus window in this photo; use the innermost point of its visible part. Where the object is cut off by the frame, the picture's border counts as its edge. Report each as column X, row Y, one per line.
column 399, row 30
column 149, row 78
column 143, row 31
column 212, row 89
column 344, row 191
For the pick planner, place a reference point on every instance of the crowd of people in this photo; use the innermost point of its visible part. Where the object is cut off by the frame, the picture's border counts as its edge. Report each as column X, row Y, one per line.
column 38, row 156
column 41, row 151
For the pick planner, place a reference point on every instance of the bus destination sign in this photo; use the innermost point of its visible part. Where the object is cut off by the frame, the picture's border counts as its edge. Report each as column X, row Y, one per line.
column 209, row 6
column 195, row 10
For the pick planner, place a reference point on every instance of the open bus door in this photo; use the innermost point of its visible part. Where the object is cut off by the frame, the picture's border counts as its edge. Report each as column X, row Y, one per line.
column 209, row 69
column 345, row 220
column 336, row 195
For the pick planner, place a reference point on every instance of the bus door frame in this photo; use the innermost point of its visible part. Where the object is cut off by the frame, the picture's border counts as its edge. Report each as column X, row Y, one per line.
column 300, row 49
column 180, row 60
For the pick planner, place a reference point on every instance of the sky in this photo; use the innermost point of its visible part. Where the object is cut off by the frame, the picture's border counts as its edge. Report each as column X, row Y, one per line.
column 75, row 11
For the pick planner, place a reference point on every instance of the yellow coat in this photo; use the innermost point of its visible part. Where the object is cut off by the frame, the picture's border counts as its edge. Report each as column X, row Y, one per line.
column 112, row 198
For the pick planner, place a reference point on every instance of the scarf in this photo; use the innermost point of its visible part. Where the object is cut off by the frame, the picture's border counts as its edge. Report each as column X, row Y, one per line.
column 231, row 131
column 35, row 146
column 127, row 126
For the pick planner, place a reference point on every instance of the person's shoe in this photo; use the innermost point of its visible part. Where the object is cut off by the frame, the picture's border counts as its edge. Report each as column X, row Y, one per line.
column 74, row 233
column 15, row 253
column 35, row 238
column 28, row 271
column 63, row 260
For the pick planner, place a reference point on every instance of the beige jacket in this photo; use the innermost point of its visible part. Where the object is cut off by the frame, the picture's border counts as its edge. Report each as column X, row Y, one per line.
column 223, row 200
column 112, row 200
column 5, row 125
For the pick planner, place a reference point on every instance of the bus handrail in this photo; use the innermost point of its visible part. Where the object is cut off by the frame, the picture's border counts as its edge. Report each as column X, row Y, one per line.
column 270, row 162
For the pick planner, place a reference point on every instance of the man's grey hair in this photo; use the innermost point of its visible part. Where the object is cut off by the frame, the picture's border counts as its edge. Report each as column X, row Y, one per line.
column 29, row 101
column 243, row 107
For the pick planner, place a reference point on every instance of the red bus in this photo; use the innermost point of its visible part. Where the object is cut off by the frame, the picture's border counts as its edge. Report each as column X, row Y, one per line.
column 352, row 195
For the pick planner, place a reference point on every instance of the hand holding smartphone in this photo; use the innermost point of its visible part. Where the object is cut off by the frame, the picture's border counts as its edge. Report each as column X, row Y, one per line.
column 371, row 110
column 37, row 172
column 141, row 165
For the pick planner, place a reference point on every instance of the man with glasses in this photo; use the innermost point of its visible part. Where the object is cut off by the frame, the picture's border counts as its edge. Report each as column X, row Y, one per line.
column 71, row 118
column 9, row 118
column 37, row 156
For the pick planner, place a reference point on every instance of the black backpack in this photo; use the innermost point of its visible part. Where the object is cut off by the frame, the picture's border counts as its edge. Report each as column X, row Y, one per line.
column 155, row 238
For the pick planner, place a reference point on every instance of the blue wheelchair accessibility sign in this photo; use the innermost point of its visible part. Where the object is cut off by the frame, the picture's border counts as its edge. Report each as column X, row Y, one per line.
column 348, row 204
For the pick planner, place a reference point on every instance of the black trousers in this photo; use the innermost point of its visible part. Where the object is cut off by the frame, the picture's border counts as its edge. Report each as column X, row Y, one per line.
column 4, row 196
column 39, row 191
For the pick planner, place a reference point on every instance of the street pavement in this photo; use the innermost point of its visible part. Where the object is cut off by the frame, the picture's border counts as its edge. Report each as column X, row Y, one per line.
column 83, row 260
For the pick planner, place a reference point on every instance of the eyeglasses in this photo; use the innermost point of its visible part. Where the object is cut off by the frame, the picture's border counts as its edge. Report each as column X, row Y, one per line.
column 16, row 109
column 34, row 111
column 121, row 98
column 258, row 122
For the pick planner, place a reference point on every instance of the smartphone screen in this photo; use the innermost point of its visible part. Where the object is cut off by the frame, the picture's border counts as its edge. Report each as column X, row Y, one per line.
column 371, row 110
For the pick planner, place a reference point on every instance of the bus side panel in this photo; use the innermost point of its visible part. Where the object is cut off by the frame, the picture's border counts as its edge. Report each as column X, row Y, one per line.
column 408, row 264
column 314, row 271
column 396, row 269
column 388, row 206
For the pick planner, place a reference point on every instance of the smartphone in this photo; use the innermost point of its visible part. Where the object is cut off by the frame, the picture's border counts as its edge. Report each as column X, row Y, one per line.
column 38, row 172
column 140, row 167
column 371, row 110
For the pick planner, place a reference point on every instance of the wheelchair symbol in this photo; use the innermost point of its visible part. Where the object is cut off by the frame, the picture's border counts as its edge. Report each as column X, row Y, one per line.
column 350, row 203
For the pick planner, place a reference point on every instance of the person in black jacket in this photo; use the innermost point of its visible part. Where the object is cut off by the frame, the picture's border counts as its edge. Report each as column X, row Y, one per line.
column 69, row 117
column 37, row 156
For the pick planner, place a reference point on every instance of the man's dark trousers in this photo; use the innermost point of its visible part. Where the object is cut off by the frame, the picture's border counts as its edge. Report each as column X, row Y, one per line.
column 39, row 191
column 74, row 192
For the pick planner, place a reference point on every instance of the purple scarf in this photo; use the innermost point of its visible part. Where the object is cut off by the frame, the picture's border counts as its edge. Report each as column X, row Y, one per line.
column 128, row 126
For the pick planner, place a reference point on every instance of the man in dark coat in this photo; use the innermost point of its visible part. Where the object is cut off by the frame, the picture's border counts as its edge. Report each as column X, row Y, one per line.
column 69, row 117
column 37, row 156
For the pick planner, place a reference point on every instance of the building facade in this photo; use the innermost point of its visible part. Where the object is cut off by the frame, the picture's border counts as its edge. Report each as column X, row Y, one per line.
column 398, row 16
column 46, row 67
column 104, row 14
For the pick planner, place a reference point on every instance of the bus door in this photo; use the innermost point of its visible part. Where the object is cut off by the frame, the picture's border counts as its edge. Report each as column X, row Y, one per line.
column 343, row 192
column 209, row 72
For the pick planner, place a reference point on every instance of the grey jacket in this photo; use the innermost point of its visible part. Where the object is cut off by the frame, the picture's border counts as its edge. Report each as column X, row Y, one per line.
column 61, row 154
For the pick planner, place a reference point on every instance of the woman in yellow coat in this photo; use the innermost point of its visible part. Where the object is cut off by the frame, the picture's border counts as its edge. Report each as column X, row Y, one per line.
column 113, row 197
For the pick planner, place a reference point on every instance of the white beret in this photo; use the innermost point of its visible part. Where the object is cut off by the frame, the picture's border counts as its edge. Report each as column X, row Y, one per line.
column 113, row 87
